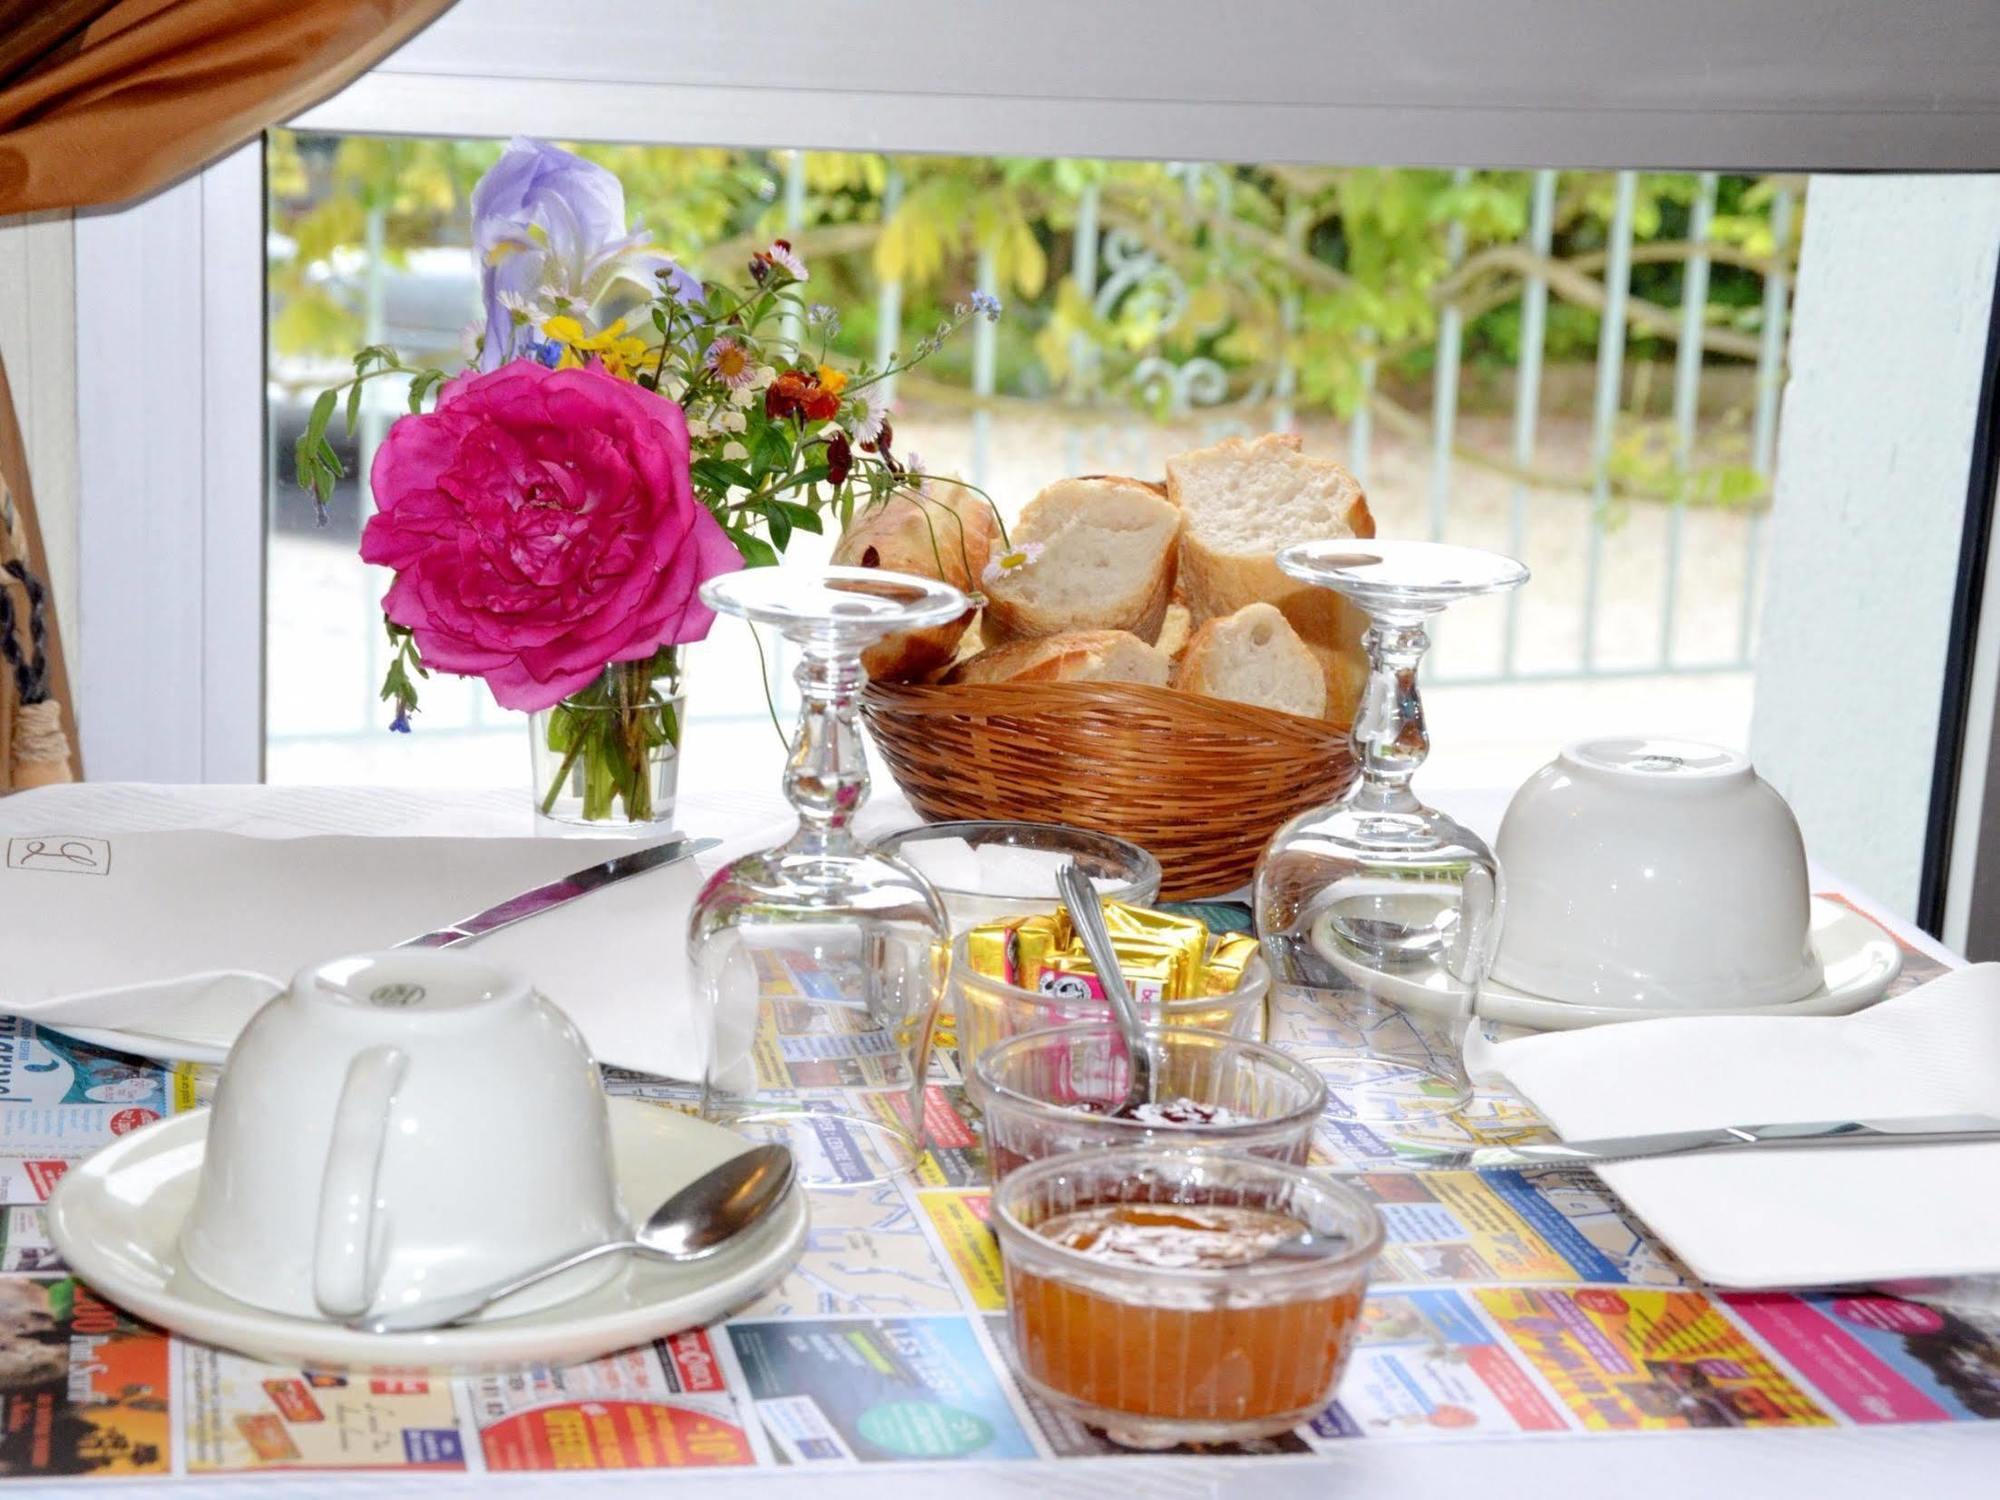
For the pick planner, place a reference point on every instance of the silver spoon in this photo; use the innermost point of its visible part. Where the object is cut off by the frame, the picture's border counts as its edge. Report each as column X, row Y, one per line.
column 1087, row 916
column 695, row 1222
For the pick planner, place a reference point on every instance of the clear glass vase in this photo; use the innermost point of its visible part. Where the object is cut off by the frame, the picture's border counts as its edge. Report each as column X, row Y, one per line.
column 607, row 759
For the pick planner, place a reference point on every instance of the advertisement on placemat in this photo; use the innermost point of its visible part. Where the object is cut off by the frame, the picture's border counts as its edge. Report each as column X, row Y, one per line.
column 1625, row 1360
column 1428, row 1366
column 27, row 1246
column 1880, row 1359
column 241, row 1416
column 952, row 1153
column 664, row 1406
column 876, row 1390
column 958, row 1218
column 83, row 1388
column 1456, row 1227
column 46, row 1067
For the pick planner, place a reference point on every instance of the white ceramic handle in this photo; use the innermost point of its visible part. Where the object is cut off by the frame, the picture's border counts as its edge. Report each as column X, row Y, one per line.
column 343, row 1276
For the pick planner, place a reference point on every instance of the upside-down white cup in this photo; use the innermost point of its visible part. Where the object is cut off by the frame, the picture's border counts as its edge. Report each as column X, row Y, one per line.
column 1658, row 873
column 398, row 1126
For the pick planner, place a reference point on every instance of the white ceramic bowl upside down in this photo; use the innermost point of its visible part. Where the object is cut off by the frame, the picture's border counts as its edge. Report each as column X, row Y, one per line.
column 1654, row 872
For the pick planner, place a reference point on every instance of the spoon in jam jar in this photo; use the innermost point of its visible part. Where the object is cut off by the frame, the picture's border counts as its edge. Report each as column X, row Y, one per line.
column 1087, row 916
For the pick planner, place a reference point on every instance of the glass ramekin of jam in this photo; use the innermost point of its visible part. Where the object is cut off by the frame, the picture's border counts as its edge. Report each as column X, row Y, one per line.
column 1063, row 1089
column 1143, row 1298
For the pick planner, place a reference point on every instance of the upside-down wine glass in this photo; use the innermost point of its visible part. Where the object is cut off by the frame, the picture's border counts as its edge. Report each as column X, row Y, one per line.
column 819, row 964
column 1385, row 911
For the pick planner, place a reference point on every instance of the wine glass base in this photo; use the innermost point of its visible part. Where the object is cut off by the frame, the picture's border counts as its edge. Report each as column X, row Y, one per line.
column 831, row 1147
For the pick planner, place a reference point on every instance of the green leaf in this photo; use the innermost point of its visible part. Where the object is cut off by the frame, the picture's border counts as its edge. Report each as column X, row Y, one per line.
column 322, row 414
column 781, row 527
column 716, row 475
column 802, row 516
column 757, row 552
column 354, row 406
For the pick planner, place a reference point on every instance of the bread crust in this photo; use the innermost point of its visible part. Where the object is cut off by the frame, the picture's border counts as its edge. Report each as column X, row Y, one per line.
column 947, row 536
column 1217, row 583
column 1010, row 617
column 1065, row 657
column 1200, row 667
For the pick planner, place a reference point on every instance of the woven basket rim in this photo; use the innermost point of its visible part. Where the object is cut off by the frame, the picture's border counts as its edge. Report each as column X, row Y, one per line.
column 1016, row 698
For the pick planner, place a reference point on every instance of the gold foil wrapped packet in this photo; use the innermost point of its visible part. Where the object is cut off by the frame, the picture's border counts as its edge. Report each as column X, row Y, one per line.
column 1163, row 956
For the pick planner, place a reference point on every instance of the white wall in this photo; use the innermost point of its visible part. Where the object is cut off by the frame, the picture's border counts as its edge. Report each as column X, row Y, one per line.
column 38, row 345
column 1895, row 291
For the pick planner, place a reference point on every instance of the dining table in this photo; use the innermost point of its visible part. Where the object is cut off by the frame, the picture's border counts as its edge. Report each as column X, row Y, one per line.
column 1526, row 1335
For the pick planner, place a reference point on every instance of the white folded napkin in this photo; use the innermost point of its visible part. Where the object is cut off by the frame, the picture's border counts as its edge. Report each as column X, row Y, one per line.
column 1798, row 1218
column 187, row 933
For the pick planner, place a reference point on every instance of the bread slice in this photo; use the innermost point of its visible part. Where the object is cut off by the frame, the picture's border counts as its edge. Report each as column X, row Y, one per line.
column 1241, row 501
column 1175, row 631
column 1108, row 549
column 946, row 534
column 1073, row 656
column 1254, row 656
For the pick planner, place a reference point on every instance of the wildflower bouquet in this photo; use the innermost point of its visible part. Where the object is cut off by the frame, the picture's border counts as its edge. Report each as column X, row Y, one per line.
column 623, row 433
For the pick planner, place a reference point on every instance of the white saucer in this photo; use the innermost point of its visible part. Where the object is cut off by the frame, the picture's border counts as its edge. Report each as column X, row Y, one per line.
column 1858, row 958
column 116, row 1218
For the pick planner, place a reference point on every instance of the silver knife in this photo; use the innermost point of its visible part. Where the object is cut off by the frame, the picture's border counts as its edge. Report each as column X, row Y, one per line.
column 559, row 893
column 1923, row 1130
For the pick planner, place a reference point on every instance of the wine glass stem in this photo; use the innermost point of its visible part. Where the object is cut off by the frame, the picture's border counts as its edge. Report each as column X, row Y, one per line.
column 826, row 779
column 1389, row 735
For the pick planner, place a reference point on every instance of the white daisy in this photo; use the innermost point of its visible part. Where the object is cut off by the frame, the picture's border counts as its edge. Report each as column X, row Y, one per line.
column 1011, row 561
column 866, row 413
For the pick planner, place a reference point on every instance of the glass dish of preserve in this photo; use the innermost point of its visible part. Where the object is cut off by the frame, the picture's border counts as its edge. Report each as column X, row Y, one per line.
column 1142, row 1300
column 1063, row 1089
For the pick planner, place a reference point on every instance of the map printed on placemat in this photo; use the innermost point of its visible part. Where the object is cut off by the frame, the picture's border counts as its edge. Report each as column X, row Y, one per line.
column 1509, row 1304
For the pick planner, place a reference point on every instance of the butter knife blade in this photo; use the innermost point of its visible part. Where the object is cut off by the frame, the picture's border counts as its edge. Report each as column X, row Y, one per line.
column 1923, row 1130
column 559, row 893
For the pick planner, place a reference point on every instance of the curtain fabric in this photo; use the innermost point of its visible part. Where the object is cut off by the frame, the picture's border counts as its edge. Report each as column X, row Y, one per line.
column 105, row 100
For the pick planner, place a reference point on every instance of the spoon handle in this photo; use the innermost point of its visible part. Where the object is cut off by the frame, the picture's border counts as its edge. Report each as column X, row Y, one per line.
column 1086, row 913
column 442, row 1312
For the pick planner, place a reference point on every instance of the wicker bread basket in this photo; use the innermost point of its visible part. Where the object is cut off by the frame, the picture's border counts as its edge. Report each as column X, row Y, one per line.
column 1200, row 782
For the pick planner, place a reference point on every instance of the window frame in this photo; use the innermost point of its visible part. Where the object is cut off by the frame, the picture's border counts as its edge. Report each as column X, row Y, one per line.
column 170, row 291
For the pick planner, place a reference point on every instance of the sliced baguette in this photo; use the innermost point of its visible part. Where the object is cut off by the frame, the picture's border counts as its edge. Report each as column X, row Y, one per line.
column 1107, row 562
column 1254, row 656
column 946, row 535
column 1175, row 631
column 1073, row 656
column 1241, row 501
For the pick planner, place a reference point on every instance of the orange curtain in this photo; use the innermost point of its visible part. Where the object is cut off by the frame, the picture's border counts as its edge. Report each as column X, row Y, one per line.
column 106, row 100
column 103, row 100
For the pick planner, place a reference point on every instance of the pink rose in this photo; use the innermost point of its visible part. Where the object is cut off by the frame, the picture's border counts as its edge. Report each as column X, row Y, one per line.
column 542, row 525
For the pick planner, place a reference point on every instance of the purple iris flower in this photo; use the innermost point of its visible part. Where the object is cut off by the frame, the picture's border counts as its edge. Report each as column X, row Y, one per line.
column 545, row 221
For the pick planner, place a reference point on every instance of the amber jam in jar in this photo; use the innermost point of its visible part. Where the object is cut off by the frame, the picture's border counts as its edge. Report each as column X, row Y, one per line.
column 1143, row 1300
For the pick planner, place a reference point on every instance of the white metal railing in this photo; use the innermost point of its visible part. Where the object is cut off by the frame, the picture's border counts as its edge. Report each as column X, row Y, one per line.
column 1106, row 266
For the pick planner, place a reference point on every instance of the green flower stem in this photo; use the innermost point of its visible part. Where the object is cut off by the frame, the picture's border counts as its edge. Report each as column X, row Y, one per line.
column 613, row 730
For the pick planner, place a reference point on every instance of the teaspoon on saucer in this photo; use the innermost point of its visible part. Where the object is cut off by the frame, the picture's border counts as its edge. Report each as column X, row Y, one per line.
column 695, row 1222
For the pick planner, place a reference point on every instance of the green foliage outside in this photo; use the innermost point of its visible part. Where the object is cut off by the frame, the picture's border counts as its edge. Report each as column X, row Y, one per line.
column 1316, row 268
